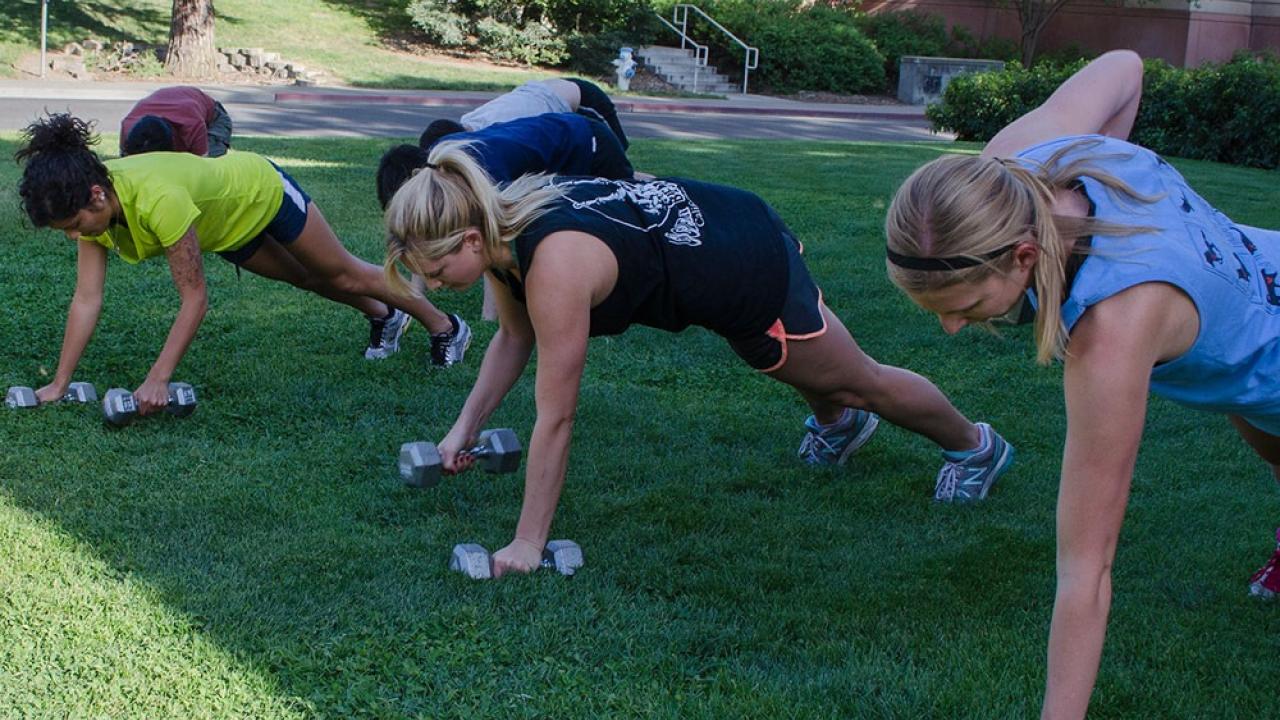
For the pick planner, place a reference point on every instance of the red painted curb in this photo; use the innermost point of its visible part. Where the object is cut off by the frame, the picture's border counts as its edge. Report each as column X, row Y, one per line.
column 622, row 106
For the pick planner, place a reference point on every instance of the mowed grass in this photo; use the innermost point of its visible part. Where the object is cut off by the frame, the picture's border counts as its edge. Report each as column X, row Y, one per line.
column 261, row 558
column 343, row 38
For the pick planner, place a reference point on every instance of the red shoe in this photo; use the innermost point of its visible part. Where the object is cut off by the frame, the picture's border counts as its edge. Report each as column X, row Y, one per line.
column 1266, row 582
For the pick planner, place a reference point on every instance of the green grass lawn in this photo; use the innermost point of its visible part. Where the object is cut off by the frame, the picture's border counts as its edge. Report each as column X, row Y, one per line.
column 261, row 558
column 344, row 38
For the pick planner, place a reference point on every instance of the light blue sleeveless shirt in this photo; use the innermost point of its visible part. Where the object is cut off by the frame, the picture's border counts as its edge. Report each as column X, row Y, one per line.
column 1228, row 270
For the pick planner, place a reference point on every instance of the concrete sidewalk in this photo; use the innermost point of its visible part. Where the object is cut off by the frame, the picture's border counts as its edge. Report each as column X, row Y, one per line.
column 64, row 90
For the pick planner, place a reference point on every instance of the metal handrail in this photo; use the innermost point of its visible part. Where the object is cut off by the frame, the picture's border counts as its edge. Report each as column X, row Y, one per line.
column 751, row 56
column 699, row 50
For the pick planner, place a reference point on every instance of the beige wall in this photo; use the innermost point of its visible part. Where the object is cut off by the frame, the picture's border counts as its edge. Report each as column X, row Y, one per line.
column 1175, row 30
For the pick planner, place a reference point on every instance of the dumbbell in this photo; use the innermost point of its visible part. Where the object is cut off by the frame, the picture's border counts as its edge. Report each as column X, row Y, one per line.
column 498, row 451
column 25, row 397
column 119, row 407
column 563, row 556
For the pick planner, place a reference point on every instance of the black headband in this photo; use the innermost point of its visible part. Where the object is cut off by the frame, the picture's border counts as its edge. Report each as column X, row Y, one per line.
column 958, row 262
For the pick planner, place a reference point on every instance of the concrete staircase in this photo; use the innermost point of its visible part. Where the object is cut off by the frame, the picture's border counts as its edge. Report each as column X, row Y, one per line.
column 677, row 66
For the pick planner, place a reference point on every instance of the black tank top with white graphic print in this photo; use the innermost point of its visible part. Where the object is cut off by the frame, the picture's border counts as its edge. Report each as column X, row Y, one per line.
column 688, row 253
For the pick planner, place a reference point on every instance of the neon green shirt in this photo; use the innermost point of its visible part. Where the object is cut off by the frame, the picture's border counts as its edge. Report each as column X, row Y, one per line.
column 229, row 200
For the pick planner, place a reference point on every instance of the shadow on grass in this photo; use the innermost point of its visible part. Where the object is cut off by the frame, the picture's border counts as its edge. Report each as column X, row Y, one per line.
column 20, row 21
column 388, row 18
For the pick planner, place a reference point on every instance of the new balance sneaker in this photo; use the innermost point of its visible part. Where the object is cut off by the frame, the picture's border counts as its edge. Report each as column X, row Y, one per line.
column 448, row 348
column 384, row 334
column 833, row 444
column 1266, row 582
column 968, row 476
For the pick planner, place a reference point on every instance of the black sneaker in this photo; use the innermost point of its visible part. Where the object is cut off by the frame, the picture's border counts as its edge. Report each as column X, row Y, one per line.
column 448, row 348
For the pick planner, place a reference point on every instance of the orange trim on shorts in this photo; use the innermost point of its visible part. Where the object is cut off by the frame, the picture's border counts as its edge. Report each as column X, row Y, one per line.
column 778, row 332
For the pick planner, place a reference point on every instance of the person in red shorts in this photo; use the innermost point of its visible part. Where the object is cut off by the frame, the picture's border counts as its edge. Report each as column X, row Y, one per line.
column 176, row 119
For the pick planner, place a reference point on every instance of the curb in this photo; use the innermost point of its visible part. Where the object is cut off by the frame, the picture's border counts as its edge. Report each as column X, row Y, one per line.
column 913, row 115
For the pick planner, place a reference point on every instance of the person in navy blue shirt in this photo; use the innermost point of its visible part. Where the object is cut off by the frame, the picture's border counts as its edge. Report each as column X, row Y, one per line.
column 554, row 143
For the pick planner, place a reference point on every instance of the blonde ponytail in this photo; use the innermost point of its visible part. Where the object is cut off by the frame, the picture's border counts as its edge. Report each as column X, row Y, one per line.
column 428, row 215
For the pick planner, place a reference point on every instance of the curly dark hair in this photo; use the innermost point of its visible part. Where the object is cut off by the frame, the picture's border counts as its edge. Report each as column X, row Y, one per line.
column 60, row 170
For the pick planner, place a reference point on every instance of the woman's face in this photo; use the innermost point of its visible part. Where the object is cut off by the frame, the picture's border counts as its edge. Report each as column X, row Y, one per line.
column 459, row 269
column 995, row 296
column 93, row 219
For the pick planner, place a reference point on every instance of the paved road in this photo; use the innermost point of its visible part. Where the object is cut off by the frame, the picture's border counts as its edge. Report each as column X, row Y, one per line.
column 257, row 112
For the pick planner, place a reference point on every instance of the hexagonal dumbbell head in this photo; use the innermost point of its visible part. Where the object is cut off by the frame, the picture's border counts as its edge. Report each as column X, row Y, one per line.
column 564, row 556
column 182, row 399
column 471, row 560
column 498, row 451
column 20, row 397
column 420, row 464
column 81, row 392
column 119, row 407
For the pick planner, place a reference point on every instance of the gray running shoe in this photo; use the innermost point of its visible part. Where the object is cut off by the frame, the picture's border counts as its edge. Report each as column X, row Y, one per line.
column 833, row 445
column 384, row 334
column 968, row 476
column 448, row 348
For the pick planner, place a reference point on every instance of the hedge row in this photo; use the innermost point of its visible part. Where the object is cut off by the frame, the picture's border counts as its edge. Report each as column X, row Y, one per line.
column 1222, row 112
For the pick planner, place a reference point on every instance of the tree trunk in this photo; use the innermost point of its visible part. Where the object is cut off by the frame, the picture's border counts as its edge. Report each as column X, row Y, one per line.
column 1033, row 16
column 191, row 50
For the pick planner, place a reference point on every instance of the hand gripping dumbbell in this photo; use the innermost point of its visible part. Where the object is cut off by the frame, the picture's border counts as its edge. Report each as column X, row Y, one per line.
column 119, row 407
column 498, row 451
column 25, row 397
column 564, row 556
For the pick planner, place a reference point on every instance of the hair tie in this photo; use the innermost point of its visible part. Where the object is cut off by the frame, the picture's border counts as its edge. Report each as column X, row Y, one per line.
column 958, row 262
column 432, row 165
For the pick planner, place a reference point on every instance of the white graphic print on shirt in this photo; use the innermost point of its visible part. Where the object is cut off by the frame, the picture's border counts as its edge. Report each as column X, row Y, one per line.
column 657, row 200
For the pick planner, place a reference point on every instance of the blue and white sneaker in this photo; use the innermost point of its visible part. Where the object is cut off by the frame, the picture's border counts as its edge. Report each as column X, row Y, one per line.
column 967, row 476
column 833, row 444
column 385, row 333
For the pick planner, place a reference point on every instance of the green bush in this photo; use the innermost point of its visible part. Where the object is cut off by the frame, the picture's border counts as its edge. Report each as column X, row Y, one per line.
column 904, row 33
column 801, row 47
column 976, row 106
column 533, row 44
column 525, row 31
column 592, row 53
column 441, row 26
column 1225, row 113
column 1228, row 113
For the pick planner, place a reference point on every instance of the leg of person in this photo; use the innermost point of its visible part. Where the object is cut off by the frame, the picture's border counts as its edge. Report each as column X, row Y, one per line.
column 219, row 131
column 269, row 259
column 835, row 377
column 808, row 348
column 320, row 252
column 608, row 159
column 591, row 96
column 1265, row 583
